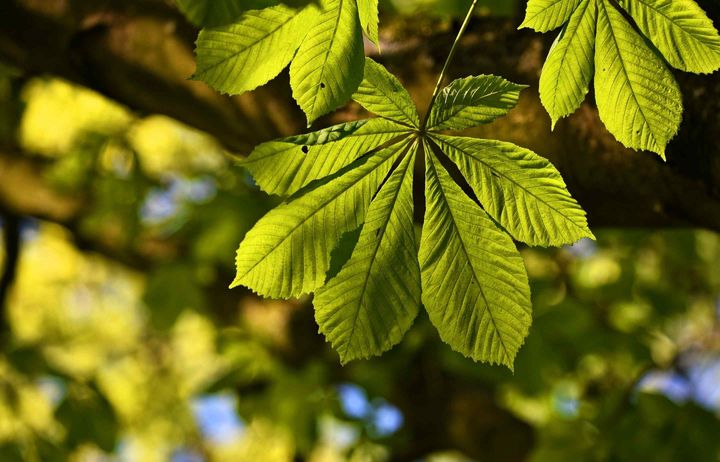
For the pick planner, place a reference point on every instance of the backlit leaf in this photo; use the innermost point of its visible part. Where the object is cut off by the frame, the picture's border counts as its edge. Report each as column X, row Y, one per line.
column 382, row 93
column 519, row 189
column 329, row 64
column 367, row 308
column 474, row 284
column 287, row 253
column 637, row 96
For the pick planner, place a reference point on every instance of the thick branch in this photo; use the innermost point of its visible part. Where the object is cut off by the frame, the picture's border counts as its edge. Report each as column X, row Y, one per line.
column 143, row 62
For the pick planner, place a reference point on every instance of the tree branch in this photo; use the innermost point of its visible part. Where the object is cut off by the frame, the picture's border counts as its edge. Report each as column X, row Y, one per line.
column 11, row 243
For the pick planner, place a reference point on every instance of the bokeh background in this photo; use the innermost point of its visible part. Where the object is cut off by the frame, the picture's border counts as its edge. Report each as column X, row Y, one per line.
column 121, row 342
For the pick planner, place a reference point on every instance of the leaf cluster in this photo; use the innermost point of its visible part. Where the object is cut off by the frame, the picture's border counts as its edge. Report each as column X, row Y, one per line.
column 322, row 41
column 625, row 46
column 464, row 269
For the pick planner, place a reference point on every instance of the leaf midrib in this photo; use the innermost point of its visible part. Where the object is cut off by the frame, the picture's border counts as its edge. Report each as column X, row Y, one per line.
column 467, row 254
column 625, row 72
column 678, row 26
column 378, row 241
column 321, row 207
column 250, row 46
column 529, row 192
column 328, row 49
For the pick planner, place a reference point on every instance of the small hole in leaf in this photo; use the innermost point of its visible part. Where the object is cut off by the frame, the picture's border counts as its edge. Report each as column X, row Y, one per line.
column 305, row 149
column 322, row 85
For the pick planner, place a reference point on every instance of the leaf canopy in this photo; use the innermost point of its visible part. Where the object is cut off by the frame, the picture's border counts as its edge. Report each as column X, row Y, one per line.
column 359, row 176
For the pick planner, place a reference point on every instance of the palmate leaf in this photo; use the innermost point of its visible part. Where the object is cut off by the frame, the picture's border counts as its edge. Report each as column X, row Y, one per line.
column 359, row 176
column 681, row 30
column 367, row 308
column 519, row 189
column 475, row 288
column 637, row 96
column 321, row 40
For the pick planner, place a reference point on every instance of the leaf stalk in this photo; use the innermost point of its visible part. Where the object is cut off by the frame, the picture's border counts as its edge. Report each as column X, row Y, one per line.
column 451, row 55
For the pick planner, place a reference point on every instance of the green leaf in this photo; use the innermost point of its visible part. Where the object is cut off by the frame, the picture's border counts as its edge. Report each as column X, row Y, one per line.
column 474, row 284
column 521, row 190
column 637, row 97
column 242, row 56
column 566, row 75
column 329, row 64
column 381, row 93
column 473, row 101
column 218, row 12
column 367, row 308
column 546, row 15
column 284, row 166
column 681, row 30
column 287, row 253
column 368, row 10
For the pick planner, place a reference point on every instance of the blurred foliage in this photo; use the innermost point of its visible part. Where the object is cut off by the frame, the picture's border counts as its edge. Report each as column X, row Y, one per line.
column 126, row 345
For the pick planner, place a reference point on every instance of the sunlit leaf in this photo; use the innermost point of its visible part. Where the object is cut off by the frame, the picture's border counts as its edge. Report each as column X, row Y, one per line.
column 248, row 53
column 473, row 101
column 287, row 253
column 474, row 284
column 566, row 75
column 382, row 93
column 637, row 96
column 681, row 30
column 329, row 64
column 284, row 166
column 546, row 15
column 367, row 308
